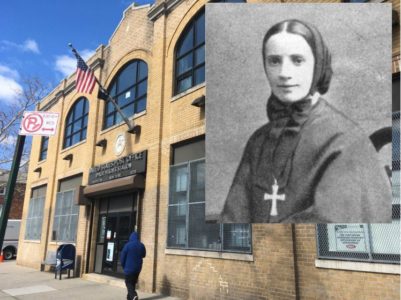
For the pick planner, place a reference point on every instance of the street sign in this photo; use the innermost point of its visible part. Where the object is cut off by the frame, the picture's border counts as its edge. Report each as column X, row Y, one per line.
column 39, row 123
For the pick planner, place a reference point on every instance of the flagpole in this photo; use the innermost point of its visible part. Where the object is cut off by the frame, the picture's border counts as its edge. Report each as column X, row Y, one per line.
column 131, row 127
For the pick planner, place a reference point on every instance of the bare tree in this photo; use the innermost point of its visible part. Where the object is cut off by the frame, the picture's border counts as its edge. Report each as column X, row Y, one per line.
column 33, row 90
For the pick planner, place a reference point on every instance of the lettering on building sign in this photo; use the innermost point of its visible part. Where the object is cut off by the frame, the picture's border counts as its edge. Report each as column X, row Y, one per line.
column 134, row 163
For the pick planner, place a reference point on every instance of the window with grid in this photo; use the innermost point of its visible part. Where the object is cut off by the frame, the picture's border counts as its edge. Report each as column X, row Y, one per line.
column 187, row 228
column 190, row 55
column 66, row 211
column 76, row 123
column 34, row 220
column 129, row 90
column 44, row 145
column 367, row 242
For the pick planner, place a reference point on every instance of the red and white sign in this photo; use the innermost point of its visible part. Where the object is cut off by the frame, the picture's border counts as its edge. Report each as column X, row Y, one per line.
column 39, row 123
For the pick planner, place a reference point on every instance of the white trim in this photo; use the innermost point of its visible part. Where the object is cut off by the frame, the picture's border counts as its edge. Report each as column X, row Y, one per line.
column 73, row 146
column 58, row 243
column 358, row 266
column 210, row 254
column 133, row 117
column 41, row 161
column 188, row 91
column 39, row 183
column 32, row 241
column 71, row 173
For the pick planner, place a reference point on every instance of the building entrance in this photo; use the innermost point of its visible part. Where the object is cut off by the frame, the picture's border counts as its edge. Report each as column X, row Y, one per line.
column 117, row 219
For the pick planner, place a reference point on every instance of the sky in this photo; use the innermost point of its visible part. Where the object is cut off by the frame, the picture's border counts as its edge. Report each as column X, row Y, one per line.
column 34, row 37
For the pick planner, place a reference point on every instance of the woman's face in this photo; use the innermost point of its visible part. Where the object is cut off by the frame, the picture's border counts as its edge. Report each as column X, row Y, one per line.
column 289, row 65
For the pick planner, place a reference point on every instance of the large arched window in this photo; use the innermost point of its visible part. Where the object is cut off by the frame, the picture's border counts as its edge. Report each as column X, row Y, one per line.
column 76, row 123
column 190, row 55
column 129, row 90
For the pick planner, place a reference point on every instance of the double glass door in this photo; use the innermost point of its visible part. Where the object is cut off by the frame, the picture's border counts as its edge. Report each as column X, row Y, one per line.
column 117, row 233
column 115, row 227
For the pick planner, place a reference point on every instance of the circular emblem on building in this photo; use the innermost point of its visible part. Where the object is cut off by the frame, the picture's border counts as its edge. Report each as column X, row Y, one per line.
column 119, row 146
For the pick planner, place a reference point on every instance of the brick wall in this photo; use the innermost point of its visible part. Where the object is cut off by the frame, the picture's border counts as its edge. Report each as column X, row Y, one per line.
column 316, row 283
column 17, row 201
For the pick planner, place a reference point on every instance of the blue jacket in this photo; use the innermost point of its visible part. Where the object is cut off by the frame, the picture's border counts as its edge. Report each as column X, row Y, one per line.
column 132, row 254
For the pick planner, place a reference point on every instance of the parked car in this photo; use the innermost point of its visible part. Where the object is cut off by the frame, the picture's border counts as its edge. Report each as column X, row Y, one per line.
column 10, row 244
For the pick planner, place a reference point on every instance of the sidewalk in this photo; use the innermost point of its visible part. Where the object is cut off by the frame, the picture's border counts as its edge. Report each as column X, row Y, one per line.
column 18, row 282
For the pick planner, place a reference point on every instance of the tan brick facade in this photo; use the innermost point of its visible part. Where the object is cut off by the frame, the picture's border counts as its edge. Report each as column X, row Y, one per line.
column 282, row 263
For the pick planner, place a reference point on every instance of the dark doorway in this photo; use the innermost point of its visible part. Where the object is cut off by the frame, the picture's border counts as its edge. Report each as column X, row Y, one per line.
column 117, row 219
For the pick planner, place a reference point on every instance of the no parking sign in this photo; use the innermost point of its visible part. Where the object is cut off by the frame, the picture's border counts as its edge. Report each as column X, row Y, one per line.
column 39, row 123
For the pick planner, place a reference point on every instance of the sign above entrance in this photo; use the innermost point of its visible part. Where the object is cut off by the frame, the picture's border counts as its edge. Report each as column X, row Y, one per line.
column 39, row 123
column 131, row 164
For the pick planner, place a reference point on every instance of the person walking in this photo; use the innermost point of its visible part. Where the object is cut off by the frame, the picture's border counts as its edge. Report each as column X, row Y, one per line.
column 131, row 260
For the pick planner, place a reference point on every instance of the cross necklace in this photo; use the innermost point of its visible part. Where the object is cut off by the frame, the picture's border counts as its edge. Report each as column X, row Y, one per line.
column 274, row 197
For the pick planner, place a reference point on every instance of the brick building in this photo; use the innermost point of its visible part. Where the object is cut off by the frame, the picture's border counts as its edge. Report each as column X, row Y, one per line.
column 94, row 182
column 19, row 194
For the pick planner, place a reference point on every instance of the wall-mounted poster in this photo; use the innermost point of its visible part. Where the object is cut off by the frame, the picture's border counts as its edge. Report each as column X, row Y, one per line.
column 110, row 251
column 293, row 98
column 349, row 237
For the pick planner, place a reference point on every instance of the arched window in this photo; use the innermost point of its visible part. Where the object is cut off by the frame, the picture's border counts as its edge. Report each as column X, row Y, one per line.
column 76, row 123
column 129, row 90
column 190, row 55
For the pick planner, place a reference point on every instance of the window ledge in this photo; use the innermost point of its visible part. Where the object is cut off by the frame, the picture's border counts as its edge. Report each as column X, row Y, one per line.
column 32, row 241
column 38, row 183
column 210, row 254
column 41, row 162
column 61, row 243
column 135, row 116
column 358, row 266
column 73, row 146
column 188, row 91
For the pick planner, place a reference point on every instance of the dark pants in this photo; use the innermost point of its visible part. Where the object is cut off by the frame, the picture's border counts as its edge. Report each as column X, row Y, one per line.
column 130, row 282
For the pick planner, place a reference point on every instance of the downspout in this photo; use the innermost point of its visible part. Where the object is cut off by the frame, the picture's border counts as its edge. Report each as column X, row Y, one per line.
column 294, row 253
column 159, row 158
column 54, row 186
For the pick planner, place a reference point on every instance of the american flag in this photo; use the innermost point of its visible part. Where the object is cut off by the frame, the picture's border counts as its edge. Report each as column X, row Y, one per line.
column 86, row 80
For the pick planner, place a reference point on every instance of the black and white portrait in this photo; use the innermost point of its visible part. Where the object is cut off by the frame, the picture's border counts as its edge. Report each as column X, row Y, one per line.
column 294, row 93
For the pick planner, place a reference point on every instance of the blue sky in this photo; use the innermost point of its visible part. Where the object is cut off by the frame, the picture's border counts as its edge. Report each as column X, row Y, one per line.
column 34, row 37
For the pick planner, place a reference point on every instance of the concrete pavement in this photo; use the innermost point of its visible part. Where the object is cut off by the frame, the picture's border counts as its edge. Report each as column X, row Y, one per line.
column 18, row 282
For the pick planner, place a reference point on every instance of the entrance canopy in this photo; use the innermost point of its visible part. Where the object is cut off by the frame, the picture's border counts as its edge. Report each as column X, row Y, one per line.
column 121, row 184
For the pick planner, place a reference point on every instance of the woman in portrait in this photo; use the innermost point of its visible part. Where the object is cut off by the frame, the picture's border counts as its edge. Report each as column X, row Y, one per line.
column 310, row 163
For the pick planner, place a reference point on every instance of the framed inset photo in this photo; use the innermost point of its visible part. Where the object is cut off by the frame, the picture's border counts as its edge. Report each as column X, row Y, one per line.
column 297, row 95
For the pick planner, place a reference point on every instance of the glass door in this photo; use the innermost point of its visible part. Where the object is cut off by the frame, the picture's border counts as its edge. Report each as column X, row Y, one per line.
column 110, row 240
column 117, row 220
column 118, row 230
